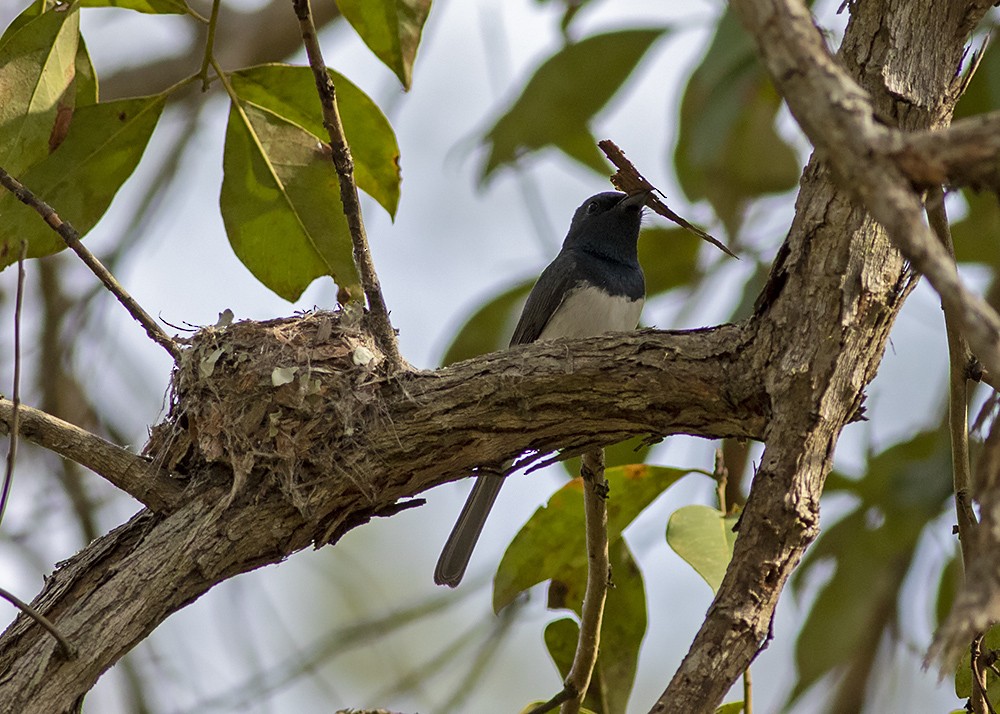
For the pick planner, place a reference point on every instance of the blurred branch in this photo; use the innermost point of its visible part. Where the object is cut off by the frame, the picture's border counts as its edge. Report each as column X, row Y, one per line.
column 72, row 239
column 15, row 416
column 959, row 360
column 131, row 473
column 977, row 605
column 378, row 314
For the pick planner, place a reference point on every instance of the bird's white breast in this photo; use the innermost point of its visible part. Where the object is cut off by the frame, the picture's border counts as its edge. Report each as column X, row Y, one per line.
column 589, row 311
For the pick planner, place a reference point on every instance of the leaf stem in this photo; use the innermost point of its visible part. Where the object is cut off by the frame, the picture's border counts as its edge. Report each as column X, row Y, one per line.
column 209, row 45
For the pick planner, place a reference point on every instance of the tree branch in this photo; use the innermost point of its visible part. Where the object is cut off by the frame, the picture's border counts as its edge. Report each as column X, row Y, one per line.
column 837, row 265
column 595, row 507
column 334, row 462
column 72, row 238
column 965, row 154
column 129, row 472
column 840, row 120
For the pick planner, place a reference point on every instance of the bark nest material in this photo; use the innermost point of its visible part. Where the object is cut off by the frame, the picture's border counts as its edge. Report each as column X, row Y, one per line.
column 272, row 402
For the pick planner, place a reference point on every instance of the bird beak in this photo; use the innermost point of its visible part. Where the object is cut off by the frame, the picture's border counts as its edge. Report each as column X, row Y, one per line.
column 636, row 199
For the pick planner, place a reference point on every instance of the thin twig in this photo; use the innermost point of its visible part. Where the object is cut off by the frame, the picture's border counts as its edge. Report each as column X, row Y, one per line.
column 68, row 649
column 8, row 478
column 958, row 412
column 129, row 472
column 628, row 179
column 747, row 692
column 563, row 696
column 344, row 163
column 72, row 238
column 979, row 702
column 598, row 574
column 721, row 476
column 958, row 424
column 209, row 45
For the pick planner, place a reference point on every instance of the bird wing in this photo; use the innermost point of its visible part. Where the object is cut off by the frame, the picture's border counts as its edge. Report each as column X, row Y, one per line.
column 555, row 282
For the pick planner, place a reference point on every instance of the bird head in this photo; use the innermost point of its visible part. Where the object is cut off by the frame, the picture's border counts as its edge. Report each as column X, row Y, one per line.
column 607, row 223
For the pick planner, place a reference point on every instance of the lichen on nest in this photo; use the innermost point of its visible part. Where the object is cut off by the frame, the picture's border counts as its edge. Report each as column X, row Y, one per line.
column 273, row 401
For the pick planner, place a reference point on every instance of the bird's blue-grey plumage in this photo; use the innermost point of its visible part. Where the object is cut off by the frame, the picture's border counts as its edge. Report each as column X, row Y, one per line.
column 594, row 285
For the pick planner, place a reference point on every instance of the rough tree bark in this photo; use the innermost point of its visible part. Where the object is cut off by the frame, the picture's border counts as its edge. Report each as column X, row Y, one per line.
column 252, row 472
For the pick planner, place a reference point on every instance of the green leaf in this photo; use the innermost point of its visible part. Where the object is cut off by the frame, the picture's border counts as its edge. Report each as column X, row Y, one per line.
column 561, row 637
column 669, row 259
column 983, row 93
column 391, row 29
column 564, row 94
column 622, row 632
column 963, row 672
column 704, row 538
column 948, row 586
column 37, row 68
column 158, row 7
column 624, row 453
column 974, row 235
column 905, row 488
column 910, row 478
column 490, row 326
column 727, row 149
column 82, row 176
column 86, row 77
column 552, row 543
column 752, row 289
column 730, row 708
column 281, row 205
column 290, row 92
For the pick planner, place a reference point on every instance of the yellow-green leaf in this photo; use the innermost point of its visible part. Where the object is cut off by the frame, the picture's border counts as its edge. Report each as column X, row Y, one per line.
column 37, row 68
column 86, row 77
column 564, row 94
column 728, row 150
column 81, row 177
column 391, row 29
column 669, row 259
column 704, row 538
column 552, row 543
column 488, row 329
column 158, row 7
column 281, row 205
column 622, row 630
column 730, row 708
column 290, row 92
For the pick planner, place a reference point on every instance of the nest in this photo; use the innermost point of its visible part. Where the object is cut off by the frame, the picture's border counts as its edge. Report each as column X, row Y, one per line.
column 273, row 403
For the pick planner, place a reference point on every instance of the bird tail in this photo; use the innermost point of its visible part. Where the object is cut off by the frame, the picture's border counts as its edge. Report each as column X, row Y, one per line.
column 457, row 550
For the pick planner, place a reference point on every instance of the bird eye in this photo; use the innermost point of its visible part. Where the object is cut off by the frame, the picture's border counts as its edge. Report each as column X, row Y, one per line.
column 591, row 207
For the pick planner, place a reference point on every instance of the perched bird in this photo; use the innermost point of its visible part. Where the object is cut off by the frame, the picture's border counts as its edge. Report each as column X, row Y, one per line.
column 595, row 285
